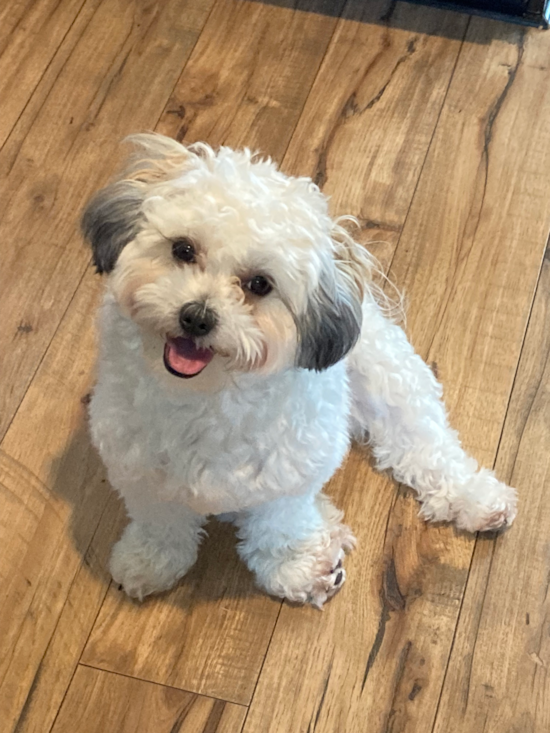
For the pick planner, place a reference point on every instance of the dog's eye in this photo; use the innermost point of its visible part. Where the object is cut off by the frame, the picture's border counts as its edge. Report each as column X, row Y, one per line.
column 259, row 285
column 183, row 249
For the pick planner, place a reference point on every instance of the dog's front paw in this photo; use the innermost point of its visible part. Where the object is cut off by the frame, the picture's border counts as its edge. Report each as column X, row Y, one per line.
column 310, row 573
column 144, row 561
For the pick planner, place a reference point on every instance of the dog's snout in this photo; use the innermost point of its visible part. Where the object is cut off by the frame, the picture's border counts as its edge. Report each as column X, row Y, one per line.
column 197, row 319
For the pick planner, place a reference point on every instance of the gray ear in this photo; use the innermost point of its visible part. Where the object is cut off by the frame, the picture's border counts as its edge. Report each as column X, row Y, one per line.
column 328, row 329
column 111, row 220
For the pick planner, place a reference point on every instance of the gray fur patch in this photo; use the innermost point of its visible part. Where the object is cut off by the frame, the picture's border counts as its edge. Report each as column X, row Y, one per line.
column 111, row 220
column 328, row 329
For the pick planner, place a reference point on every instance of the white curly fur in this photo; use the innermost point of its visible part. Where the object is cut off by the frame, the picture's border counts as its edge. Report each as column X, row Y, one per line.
column 253, row 434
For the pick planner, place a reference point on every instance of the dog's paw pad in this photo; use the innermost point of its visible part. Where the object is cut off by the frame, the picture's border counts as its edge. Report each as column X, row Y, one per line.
column 484, row 504
column 499, row 519
column 327, row 587
column 489, row 518
column 311, row 572
column 334, row 577
column 337, row 566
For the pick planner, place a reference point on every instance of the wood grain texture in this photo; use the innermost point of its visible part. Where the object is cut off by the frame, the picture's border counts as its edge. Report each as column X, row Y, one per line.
column 476, row 214
column 85, row 595
column 209, row 635
column 54, row 493
column 469, row 251
column 30, row 33
column 100, row 702
column 40, row 93
column 68, row 148
column 367, row 124
column 479, row 211
column 498, row 677
column 470, row 303
column 249, row 76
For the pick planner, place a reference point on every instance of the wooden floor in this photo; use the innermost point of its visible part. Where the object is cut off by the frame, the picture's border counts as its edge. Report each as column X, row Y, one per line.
column 434, row 130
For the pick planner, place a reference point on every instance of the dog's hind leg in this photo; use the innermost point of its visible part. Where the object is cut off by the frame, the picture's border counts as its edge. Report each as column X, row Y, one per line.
column 397, row 406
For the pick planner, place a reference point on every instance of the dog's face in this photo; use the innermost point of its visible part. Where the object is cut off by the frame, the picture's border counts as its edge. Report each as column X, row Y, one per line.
column 223, row 259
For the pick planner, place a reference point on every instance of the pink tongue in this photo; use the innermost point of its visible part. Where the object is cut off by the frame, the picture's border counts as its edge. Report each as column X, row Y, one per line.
column 183, row 357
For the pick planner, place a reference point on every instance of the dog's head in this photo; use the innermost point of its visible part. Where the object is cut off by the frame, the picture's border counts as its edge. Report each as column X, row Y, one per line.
column 223, row 258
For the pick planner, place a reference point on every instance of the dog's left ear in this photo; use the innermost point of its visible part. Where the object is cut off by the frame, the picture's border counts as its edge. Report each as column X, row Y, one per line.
column 111, row 220
column 331, row 323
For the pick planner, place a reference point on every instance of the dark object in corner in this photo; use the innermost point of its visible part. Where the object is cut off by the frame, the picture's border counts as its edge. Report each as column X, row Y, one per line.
column 528, row 12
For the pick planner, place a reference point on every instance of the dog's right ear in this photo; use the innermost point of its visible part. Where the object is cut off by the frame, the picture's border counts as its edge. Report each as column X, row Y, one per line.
column 111, row 220
column 113, row 217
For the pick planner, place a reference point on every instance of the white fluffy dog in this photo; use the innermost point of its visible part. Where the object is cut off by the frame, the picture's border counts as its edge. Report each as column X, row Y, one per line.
column 243, row 344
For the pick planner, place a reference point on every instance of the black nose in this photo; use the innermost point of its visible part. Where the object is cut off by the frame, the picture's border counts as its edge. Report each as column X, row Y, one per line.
column 197, row 319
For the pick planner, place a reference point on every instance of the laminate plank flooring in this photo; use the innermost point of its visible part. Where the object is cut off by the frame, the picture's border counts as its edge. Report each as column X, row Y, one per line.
column 433, row 129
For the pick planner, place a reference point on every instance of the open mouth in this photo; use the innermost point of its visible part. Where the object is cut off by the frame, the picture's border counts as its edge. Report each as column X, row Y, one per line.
column 183, row 358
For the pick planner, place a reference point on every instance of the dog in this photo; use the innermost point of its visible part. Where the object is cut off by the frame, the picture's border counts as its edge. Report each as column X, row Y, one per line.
column 243, row 344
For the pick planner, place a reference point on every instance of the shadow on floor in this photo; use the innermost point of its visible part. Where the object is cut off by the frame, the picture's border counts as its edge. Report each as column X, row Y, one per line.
column 417, row 19
column 97, row 519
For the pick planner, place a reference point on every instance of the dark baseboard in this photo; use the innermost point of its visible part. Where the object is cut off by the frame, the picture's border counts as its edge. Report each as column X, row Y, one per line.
column 527, row 12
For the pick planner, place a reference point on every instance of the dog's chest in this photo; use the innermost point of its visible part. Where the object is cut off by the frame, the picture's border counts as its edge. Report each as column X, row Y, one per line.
column 241, row 447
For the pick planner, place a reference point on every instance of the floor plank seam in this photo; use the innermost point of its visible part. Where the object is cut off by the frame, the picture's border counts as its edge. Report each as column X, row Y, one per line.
column 44, row 101
column 46, row 68
column 45, row 352
column 524, row 338
column 316, row 76
column 428, row 149
column 450, row 654
column 61, row 615
column 159, row 684
column 263, row 665
column 189, row 55
column 508, row 478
